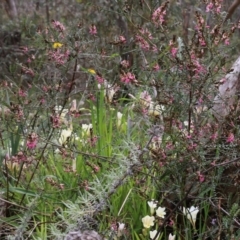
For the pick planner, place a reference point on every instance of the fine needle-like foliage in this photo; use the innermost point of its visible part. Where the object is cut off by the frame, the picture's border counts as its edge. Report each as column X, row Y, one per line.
column 119, row 120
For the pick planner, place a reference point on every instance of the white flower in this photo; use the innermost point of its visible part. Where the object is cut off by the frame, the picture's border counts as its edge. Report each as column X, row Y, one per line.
column 152, row 206
column 74, row 165
column 119, row 119
column 153, row 234
column 65, row 134
column 161, row 212
column 109, row 91
column 86, row 129
column 148, row 221
column 171, row 237
column 121, row 227
column 191, row 214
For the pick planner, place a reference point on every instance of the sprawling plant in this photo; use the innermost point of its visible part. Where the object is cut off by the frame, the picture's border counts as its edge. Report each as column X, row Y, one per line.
column 122, row 124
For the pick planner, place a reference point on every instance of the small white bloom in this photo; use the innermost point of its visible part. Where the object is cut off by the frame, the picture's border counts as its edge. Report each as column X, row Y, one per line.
column 65, row 134
column 148, row 221
column 152, row 206
column 86, row 129
column 153, row 234
column 191, row 214
column 161, row 212
column 171, row 237
column 74, row 165
column 109, row 91
column 121, row 227
column 119, row 119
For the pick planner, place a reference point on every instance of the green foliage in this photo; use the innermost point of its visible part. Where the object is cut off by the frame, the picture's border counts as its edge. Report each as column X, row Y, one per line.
column 88, row 140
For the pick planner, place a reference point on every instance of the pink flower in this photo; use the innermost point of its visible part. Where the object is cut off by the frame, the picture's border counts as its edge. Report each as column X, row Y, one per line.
column 154, row 48
column 128, row 78
column 59, row 56
column 145, row 33
column 56, row 121
column 22, row 93
column 209, row 7
column 142, row 42
column 201, row 177
column 28, row 71
column 156, row 67
column 142, row 39
column 58, row 26
column 197, row 67
column 227, row 42
column 31, row 144
column 230, row 138
column 122, row 39
column 125, row 63
column 202, row 41
column 174, row 51
column 32, row 141
column 218, row 9
column 100, row 79
column 93, row 30
column 214, row 136
column 214, row 6
column 158, row 16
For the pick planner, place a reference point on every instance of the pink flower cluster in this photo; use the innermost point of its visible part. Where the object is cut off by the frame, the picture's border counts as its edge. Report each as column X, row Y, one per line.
column 200, row 30
column 59, row 56
column 122, row 39
column 128, row 78
column 197, row 68
column 173, row 49
column 56, row 120
column 93, row 29
column 28, row 71
column 214, row 6
column 230, row 138
column 156, row 67
column 32, row 141
column 99, row 79
column 142, row 37
column 158, row 16
column 58, row 26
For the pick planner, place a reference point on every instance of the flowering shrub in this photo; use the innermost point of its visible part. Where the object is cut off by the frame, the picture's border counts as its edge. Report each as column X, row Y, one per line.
column 98, row 118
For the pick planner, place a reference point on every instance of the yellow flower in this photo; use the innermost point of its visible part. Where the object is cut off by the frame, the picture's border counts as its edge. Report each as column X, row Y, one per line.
column 154, row 110
column 148, row 221
column 92, row 71
column 57, row 45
